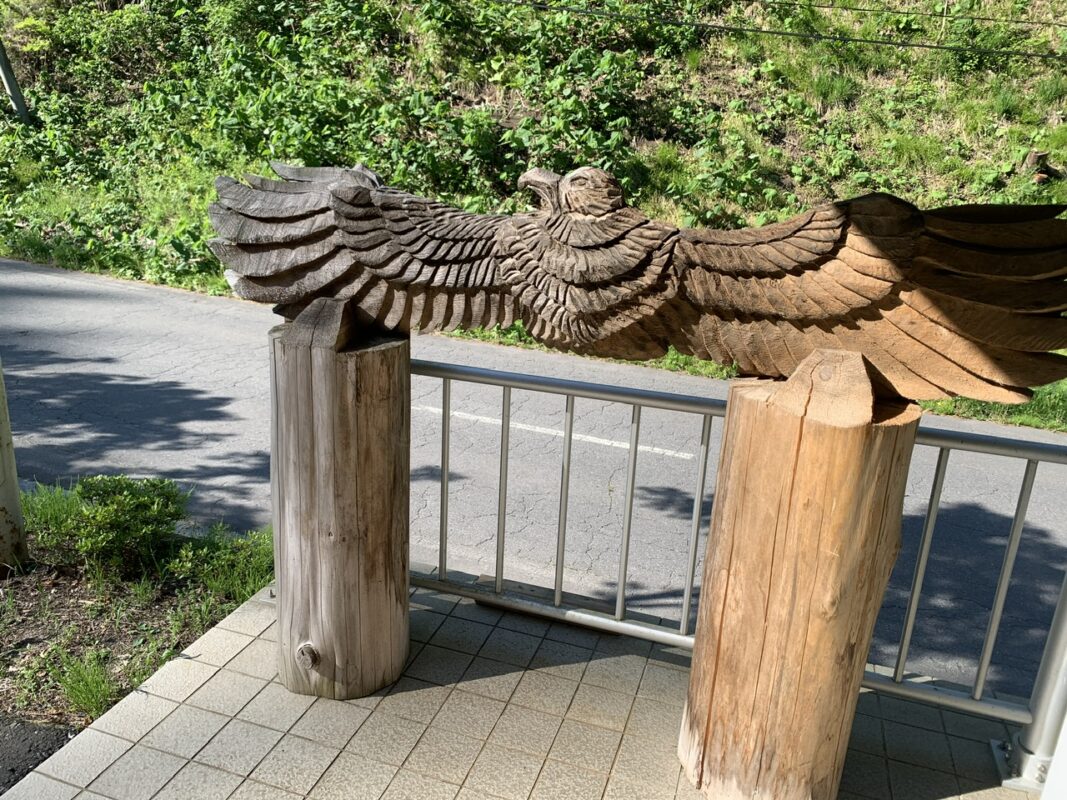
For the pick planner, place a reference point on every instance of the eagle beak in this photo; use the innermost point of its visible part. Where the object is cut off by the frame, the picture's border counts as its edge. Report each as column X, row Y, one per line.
column 545, row 183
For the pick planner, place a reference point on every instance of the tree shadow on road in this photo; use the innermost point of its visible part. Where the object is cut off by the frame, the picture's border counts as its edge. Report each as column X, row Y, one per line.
column 73, row 417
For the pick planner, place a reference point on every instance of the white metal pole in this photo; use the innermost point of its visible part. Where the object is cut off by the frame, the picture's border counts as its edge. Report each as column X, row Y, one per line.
column 11, row 85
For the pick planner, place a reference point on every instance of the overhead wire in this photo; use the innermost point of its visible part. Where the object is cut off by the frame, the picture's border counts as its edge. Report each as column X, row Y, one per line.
column 723, row 28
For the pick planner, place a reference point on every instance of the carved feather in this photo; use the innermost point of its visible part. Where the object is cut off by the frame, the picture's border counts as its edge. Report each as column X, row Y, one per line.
column 954, row 301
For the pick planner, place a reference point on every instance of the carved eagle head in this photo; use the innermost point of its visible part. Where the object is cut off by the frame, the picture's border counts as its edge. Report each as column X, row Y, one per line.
column 587, row 191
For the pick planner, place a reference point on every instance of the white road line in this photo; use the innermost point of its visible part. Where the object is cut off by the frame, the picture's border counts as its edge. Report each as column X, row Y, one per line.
column 579, row 437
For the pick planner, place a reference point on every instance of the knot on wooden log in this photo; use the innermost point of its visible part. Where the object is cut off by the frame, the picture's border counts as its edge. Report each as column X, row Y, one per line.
column 307, row 656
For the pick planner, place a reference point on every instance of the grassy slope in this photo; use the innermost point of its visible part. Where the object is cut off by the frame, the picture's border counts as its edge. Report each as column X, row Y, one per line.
column 141, row 105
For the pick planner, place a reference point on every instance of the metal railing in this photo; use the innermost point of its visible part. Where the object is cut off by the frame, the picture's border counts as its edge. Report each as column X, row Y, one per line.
column 1041, row 717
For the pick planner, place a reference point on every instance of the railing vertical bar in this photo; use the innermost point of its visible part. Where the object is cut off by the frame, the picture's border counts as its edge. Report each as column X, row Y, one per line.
column 564, row 492
column 446, row 432
column 1010, row 552
column 694, row 533
column 631, row 478
column 502, row 491
column 920, row 564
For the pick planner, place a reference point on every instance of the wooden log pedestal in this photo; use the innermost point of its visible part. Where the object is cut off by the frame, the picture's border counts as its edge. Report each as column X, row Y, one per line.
column 12, row 528
column 340, row 422
column 805, row 530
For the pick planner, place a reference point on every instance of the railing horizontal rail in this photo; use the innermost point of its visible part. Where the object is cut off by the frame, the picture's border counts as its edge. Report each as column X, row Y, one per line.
column 934, row 437
column 593, row 391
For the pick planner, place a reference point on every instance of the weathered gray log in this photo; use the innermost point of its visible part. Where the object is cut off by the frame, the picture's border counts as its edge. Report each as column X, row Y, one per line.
column 950, row 301
column 339, row 485
column 804, row 534
column 12, row 527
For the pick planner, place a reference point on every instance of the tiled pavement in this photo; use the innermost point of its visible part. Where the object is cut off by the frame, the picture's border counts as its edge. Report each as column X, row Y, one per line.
column 492, row 705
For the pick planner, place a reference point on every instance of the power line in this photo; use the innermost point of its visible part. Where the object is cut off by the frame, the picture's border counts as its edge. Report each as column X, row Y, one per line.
column 714, row 26
column 903, row 13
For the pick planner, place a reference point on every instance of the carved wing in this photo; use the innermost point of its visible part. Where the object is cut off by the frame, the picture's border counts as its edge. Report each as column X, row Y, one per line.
column 957, row 301
column 407, row 263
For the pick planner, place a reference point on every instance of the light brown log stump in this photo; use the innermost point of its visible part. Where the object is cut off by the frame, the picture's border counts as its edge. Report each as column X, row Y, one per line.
column 12, row 528
column 339, row 485
column 804, row 534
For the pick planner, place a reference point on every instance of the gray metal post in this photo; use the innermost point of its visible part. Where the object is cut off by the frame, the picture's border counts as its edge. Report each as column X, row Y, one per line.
column 1036, row 743
column 11, row 84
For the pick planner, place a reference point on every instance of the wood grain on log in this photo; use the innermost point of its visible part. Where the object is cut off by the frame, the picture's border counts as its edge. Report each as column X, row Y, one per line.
column 339, row 485
column 12, row 527
column 804, row 534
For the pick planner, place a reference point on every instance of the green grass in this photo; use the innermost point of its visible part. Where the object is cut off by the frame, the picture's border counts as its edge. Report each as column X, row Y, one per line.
column 166, row 591
column 86, row 681
column 1047, row 409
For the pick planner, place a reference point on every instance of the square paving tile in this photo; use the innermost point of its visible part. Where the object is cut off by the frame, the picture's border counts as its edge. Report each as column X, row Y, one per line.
column 386, row 738
column 523, row 623
column 562, row 659
column 238, row 747
column 585, row 746
column 178, row 679
column 226, row 692
column 469, row 609
column 544, row 692
column 866, row 774
column 664, row 683
column 138, row 774
column 275, row 707
column 621, row 673
column 414, row 699
column 469, row 714
column 560, row 781
column 36, row 786
column 407, row 785
column 971, row 727
column 911, row 782
column 423, row 623
column 511, row 647
column 572, row 634
column 353, row 777
column 254, row 790
column 330, row 722
column 917, row 715
column 294, row 764
column 185, row 731
column 490, row 678
column 252, row 618
column 438, row 665
column 644, row 760
column 444, row 754
column 84, row 757
column 201, row 782
column 217, row 646
column 867, row 735
column 505, row 773
column 920, row 746
column 259, row 659
column 464, row 635
column 525, row 729
column 135, row 715
column 601, row 707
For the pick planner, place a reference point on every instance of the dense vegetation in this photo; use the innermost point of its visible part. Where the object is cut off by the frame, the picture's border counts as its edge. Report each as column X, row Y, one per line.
column 141, row 105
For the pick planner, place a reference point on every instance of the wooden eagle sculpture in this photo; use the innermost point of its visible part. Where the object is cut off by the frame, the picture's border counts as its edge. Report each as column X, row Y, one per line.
column 957, row 301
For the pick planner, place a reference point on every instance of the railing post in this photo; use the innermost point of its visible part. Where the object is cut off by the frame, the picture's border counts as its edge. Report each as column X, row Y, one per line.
column 1035, row 744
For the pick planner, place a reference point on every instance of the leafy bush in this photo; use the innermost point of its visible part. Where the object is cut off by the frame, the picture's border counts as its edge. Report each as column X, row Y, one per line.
column 230, row 567
column 112, row 522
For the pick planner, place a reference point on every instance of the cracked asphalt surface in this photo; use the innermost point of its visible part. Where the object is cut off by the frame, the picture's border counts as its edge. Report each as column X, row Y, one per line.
column 106, row 375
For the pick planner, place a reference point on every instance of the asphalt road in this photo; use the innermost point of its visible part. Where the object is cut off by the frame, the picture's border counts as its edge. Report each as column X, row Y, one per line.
column 113, row 376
